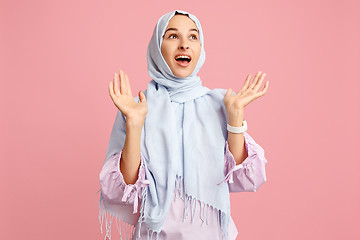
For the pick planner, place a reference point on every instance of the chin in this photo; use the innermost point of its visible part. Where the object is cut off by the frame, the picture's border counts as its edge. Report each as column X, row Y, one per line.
column 183, row 73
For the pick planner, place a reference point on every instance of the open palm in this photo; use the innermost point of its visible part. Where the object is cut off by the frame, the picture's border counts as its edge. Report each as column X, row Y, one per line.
column 247, row 93
column 121, row 95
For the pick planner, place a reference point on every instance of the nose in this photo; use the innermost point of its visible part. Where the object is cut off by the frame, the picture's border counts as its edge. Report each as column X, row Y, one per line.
column 184, row 45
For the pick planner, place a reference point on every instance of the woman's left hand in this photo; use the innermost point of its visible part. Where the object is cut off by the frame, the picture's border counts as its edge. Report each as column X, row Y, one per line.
column 235, row 104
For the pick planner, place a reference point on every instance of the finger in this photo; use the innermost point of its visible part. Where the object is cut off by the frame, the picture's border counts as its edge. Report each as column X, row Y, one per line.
column 246, row 84
column 259, row 83
column 123, row 89
column 116, row 89
column 255, row 80
column 264, row 90
column 111, row 90
column 228, row 92
column 142, row 96
column 266, row 87
column 128, row 84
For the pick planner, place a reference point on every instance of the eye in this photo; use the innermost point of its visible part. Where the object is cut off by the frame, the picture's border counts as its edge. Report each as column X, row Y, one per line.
column 194, row 37
column 172, row 35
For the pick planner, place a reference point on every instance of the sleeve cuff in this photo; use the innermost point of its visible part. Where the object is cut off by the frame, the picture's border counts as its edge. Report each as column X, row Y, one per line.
column 114, row 187
column 133, row 190
column 254, row 151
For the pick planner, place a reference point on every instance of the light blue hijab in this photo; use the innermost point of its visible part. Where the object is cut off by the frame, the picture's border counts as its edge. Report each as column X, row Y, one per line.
column 204, row 136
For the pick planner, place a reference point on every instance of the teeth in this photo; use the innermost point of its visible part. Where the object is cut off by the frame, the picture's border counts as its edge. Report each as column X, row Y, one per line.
column 182, row 56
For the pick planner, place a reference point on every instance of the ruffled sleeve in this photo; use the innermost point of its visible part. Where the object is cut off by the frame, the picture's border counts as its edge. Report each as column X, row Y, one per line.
column 114, row 190
column 250, row 174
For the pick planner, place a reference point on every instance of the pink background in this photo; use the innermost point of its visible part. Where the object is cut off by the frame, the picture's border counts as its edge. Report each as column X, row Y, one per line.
column 56, row 59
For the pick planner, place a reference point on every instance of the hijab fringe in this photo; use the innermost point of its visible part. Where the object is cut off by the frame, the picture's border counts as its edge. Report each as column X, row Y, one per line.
column 150, row 232
column 128, row 229
column 190, row 203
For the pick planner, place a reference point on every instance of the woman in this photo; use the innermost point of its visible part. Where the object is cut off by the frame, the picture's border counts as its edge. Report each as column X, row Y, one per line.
column 178, row 138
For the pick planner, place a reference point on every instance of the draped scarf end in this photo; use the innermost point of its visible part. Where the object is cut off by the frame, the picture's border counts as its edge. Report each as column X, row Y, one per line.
column 190, row 205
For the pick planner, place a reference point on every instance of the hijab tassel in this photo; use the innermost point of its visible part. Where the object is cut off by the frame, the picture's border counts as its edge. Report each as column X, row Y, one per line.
column 141, row 218
column 128, row 229
column 202, row 211
column 224, row 226
column 150, row 235
column 187, row 199
column 193, row 210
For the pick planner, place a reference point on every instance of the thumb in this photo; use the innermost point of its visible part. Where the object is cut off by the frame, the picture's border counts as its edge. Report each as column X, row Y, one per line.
column 142, row 96
column 228, row 92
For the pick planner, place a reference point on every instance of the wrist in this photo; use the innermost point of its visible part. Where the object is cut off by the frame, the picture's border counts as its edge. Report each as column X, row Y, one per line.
column 237, row 123
column 132, row 123
column 237, row 130
column 236, row 120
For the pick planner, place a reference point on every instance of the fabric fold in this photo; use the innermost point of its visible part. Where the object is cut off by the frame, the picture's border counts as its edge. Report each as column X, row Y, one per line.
column 133, row 193
column 114, row 186
column 250, row 174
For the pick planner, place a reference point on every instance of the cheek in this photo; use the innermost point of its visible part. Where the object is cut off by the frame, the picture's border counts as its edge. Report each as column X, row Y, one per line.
column 166, row 51
column 197, row 52
column 163, row 50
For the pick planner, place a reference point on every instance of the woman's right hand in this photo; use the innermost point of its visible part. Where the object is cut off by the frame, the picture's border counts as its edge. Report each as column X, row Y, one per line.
column 121, row 95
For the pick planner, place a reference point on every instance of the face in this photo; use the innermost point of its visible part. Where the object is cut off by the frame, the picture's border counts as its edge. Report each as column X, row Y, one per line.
column 180, row 46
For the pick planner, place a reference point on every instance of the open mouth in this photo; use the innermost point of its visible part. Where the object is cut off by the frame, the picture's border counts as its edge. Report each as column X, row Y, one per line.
column 183, row 60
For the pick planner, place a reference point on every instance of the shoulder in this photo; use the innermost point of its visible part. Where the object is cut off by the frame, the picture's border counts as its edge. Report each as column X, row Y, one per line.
column 215, row 98
column 217, row 94
column 221, row 91
column 218, row 91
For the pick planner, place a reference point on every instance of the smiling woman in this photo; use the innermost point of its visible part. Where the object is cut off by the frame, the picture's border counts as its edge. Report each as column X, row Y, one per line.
column 181, row 45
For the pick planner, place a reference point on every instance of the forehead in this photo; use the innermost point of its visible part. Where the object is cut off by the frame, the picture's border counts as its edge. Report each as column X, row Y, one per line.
column 181, row 22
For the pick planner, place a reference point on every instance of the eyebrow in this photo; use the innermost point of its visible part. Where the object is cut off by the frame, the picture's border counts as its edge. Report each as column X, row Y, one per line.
column 175, row 29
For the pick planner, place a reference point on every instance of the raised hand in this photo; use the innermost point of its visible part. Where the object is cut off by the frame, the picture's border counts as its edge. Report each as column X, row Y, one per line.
column 235, row 104
column 121, row 95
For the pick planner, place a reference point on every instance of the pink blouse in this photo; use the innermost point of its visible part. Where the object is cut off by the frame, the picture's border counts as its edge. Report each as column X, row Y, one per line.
column 202, row 223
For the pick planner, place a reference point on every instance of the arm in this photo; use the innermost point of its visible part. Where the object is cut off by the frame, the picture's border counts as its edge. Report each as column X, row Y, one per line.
column 114, row 189
column 236, row 141
column 235, row 104
column 124, row 147
column 130, row 157
column 249, row 175
column 135, row 113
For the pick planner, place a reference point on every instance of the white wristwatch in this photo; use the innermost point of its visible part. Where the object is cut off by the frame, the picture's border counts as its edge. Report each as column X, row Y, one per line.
column 237, row 129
